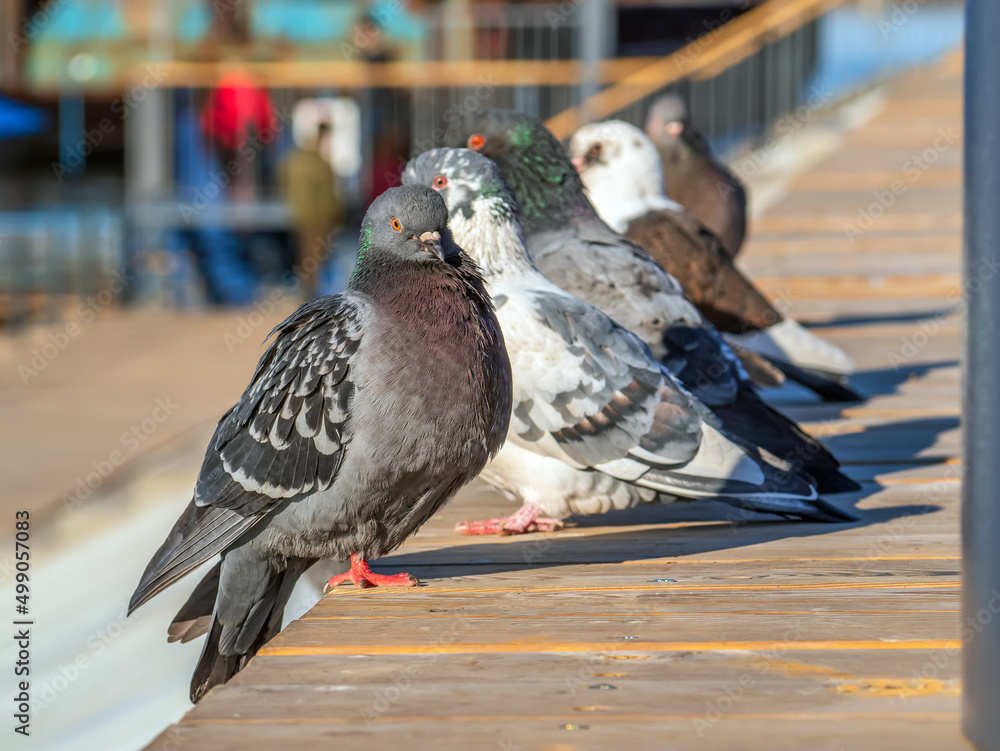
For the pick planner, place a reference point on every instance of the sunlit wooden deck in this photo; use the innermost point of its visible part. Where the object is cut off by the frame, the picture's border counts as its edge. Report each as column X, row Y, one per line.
column 669, row 627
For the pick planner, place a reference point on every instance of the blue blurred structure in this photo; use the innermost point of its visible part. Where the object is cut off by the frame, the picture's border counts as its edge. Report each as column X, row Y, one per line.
column 18, row 119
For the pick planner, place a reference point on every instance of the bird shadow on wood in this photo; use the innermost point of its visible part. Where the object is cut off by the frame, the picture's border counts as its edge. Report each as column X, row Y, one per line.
column 874, row 319
column 686, row 528
column 884, row 381
column 900, row 442
column 868, row 383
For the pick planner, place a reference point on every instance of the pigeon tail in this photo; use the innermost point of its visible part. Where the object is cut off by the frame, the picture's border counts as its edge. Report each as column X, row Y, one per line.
column 248, row 614
column 753, row 422
column 787, row 341
column 750, row 482
column 195, row 616
column 723, row 469
column 817, row 510
column 828, row 388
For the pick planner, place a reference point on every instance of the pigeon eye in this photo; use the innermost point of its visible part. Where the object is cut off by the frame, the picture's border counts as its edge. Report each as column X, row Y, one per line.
column 440, row 182
column 594, row 152
column 396, row 225
column 476, row 142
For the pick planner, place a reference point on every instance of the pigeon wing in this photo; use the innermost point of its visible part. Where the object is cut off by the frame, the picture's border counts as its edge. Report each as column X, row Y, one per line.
column 691, row 253
column 285, row 438
column 590, row 392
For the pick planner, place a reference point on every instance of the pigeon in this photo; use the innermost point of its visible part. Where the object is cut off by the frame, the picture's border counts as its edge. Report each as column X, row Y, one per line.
column 695, row 178
column 597, row 422
column 577, row 251
column 367, row 413
column 621, row 171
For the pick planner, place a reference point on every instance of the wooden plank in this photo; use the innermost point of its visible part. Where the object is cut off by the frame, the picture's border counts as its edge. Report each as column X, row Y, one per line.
column 888, row 222
column 828, row 682
column 773, row 731
column 944, row 286
column 873, row 180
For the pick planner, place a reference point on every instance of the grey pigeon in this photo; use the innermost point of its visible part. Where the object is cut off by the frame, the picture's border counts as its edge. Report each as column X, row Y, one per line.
column 621, row 171
column 694, row 177
column 597, row 422
column 576, row 250
column 369, row 410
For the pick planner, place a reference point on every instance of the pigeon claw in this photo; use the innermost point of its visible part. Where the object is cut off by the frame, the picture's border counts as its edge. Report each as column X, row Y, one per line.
column 527, row 519
column 363, row 576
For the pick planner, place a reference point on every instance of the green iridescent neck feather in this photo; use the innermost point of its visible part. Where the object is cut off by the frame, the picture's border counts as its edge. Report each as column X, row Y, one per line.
column 544, row 182
column 363, row 247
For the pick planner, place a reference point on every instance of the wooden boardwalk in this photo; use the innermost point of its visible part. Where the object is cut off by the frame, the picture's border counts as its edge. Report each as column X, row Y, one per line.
column 680, row 626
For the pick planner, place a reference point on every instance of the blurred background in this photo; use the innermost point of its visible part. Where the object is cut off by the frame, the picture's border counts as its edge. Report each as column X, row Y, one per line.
column 176, row 176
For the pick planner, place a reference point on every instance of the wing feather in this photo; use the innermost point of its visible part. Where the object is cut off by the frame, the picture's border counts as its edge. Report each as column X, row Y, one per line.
column 284, row 438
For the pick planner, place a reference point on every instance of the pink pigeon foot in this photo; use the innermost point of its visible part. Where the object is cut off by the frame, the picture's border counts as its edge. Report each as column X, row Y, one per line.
column 362, row 576
column 528, row 518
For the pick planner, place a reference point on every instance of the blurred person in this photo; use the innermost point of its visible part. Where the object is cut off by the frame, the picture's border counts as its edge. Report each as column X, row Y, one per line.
column 308, row 185
column 369, row 36
column 219, row 252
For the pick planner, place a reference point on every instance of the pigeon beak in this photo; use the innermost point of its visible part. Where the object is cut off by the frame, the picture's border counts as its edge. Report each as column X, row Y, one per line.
column 674, row 129
column 431, row 243
column 579, row 163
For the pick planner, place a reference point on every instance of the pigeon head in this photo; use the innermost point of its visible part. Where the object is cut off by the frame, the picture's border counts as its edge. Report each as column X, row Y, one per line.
column 407, row 224
column 533, row 163
column 618, row 159
column 668, row 118
column 462, row 177
column 483, row 213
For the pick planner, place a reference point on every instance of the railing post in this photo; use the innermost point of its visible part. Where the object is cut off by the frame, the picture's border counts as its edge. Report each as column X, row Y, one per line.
column 981, row 408
column 598, row 30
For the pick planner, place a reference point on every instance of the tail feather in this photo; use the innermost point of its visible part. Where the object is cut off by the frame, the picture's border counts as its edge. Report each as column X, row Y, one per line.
column 746, row 480
column 817, row 510
column 248, row 611
column 787, row 341
column 828, row 388
column 754, row 422
column 762, row 371
column 195, row 616
column 724, row 470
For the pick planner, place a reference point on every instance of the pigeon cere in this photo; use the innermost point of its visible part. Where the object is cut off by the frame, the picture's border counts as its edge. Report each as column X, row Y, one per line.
column 460, row 374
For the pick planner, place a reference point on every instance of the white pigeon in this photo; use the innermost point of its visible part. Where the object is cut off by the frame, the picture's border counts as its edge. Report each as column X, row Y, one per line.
column 621, row 169
column 597, row 422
